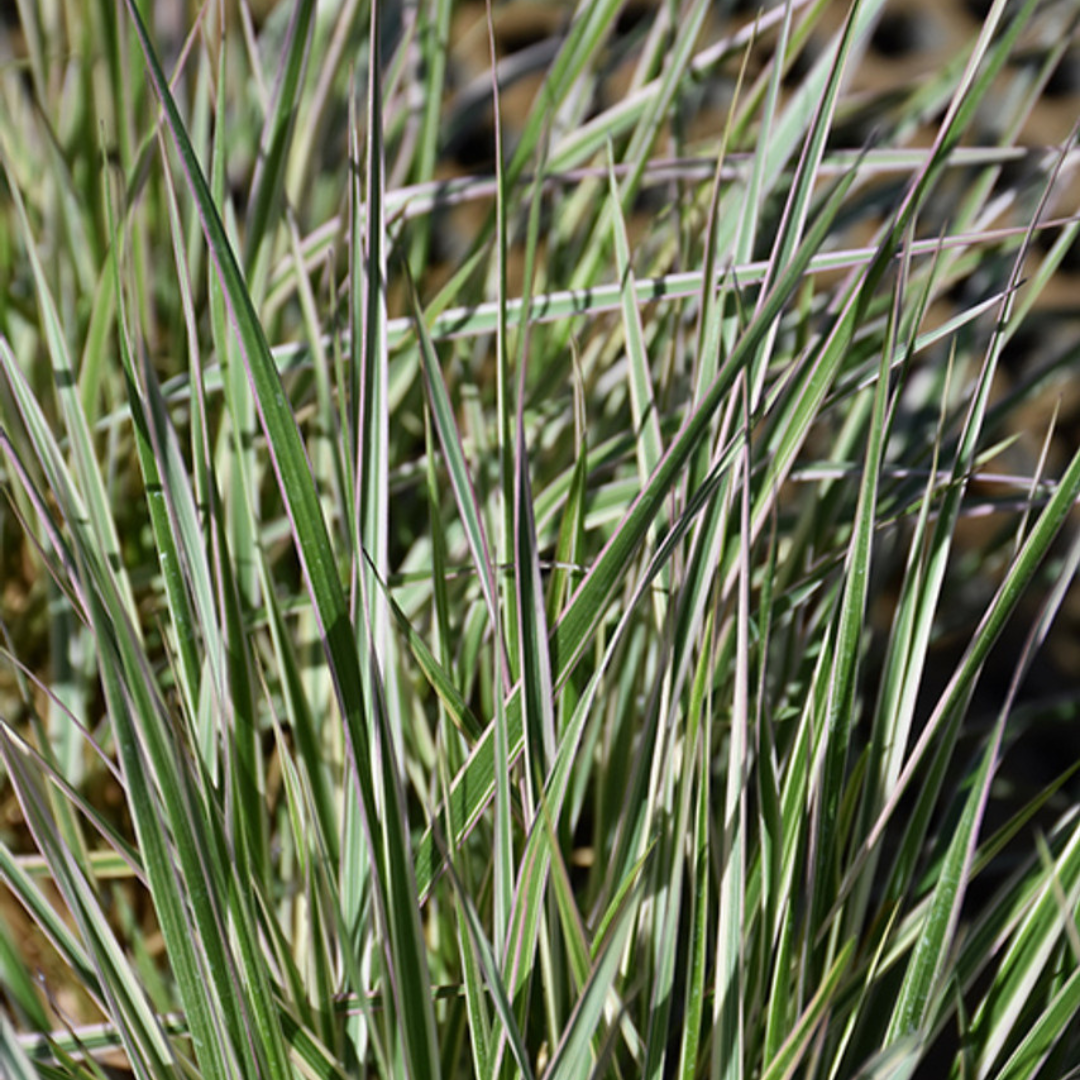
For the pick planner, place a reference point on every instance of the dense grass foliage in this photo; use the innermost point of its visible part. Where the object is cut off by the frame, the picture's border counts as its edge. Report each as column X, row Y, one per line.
column 533, row 543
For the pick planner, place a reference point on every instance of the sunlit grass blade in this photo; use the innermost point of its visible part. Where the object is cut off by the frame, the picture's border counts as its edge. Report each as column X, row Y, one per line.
column 1041, row 1036
column 587, row 605
column 14, row 1063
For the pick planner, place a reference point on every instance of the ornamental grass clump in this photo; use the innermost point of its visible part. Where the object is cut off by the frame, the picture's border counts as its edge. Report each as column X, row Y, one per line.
column 553, row 573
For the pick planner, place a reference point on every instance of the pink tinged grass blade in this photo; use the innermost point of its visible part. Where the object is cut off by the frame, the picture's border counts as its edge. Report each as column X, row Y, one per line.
column 1034, row 941
column 476, row 993
column 535, row 862
column 503, row 746
column 669, row 947
column 496, row 440
column 509, row 1033
column 173, row 515
column 922, row 989
column 356, row 855
column 182, row 501
column 843, row 679
column 525, row 922
column 331, row 449
column 700, row 876
column 368, row 261
column 1051, row 1026
column 367, row 250
column 729, row 1050
column 504, row 437
column 1017, row 580
column 202, row 958
column 197, row 559
column 1024, row 962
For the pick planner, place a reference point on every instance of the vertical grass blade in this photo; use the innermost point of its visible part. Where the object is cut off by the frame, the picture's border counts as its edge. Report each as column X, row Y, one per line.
column 374, row 774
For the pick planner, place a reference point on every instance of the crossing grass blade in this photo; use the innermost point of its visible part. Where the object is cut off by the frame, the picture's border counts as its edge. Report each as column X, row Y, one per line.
column 85, row 469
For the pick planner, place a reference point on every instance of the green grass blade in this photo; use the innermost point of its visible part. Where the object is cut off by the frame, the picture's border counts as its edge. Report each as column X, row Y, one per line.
column 268, row 181
column 450, row 440
column 642, row 399
column 13, row 1060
